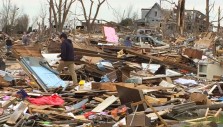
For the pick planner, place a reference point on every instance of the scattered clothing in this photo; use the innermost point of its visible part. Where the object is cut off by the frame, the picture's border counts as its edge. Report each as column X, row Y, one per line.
column 47, row 100
column 185, row 81
column 128, row 43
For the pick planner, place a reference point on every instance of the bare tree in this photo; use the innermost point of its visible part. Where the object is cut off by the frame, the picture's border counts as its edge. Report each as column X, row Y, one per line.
column 9, row 14
column 43, row 14
column 209, row 7
column 219, row 14
column 60, row 9
column 127, row 13
column 180, row 13
column 90, row 21
column 22, row 23
column 14, row 14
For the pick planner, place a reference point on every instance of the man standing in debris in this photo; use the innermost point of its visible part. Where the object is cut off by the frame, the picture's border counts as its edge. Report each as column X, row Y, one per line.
column 8, row 44
column 128, row 42
column 25, row 39
column 67, row 57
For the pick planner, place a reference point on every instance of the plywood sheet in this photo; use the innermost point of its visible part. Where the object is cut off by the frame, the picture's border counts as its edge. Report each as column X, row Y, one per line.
column 102, row 106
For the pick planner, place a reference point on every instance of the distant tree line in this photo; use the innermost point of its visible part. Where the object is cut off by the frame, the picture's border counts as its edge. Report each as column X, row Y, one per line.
column 12, row 20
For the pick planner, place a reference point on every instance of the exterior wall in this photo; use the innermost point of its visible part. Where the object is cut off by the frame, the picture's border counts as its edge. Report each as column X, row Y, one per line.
column 155, row 17
column 144, row 12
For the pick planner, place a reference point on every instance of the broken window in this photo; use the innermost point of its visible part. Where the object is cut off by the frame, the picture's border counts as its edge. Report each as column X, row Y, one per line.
column 155, row 13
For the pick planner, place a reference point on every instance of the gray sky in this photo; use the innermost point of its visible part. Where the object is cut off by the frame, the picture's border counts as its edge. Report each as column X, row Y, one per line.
column 32, row 7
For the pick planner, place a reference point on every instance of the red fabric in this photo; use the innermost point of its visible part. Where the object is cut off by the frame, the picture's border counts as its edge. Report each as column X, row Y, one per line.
column 87, row 114
column 47, row 100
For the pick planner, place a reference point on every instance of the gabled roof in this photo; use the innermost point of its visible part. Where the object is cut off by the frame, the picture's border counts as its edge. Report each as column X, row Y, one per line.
column 155, row 5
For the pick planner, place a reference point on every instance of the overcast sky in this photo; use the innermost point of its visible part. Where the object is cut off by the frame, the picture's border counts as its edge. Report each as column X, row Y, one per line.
column 32, row 7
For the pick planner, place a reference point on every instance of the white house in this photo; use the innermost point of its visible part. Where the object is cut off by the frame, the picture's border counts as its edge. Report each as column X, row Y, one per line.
column 152, row 17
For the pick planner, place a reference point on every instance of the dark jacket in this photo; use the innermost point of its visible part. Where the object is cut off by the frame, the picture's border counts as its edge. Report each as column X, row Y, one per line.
column 67, row 50
column 8, row 42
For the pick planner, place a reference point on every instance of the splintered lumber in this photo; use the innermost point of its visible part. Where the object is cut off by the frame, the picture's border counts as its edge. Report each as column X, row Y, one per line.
column 17, row 114
column 48, row 112
column 4, row 118
column 110, row 86
column 163, row 61
column 102, row 106
column 155, row 113
column 155, row 100
column 211, row 107
column 217, row 114
column 131, row 95
column 98, row 99
column 21, row 50
column 184, row 107
column 78, row 105
column 198, row 119
column 8, row 102
column 153, row 116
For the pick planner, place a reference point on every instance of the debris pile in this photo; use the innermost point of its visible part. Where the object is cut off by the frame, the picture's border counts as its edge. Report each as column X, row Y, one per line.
column 154, row 85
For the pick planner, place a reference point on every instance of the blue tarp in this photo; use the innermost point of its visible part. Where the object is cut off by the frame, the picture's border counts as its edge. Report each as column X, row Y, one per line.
column 44, row 77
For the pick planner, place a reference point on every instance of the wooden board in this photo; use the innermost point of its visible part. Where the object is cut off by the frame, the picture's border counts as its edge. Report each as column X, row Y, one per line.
column 110, row 86
column 8, row 102
column 21, row 50
column 47, row 112
column 102, row 106
column 18, row 112
column 131, row 95
column 153, row 116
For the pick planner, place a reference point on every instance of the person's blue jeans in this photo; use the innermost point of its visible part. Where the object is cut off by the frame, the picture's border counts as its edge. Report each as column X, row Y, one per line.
column 8, row 48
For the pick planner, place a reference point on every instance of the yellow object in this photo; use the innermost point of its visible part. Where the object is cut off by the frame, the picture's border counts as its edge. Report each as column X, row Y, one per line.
column 82, row 82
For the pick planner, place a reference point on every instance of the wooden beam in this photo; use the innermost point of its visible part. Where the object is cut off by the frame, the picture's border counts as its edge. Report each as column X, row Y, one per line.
column 110, row 86
column 102, row 106
column 17, row 114
column 163, row 61
column 9, row 102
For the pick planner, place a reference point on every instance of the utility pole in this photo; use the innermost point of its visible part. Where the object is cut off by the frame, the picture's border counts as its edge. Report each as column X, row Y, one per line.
column 219, row 16
column 180, row 16
column 50, row 17
column 207, row 15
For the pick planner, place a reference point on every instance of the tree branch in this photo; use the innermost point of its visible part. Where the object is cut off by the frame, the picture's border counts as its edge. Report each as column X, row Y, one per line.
column 92, row 2
column 84, row 10
column 98, row 7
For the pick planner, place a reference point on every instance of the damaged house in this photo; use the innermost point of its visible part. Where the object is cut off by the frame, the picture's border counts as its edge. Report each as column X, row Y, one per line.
column 151, row 17
column 159, row 18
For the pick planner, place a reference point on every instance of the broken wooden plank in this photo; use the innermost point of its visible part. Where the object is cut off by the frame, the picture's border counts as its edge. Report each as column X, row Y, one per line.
column 131, row 95
column 163, row 61
column 78, row 105
column 138, row 119
column 18, row 113
column 48, row 112
column 8, row 102
column 102, row 106
column 110, row 86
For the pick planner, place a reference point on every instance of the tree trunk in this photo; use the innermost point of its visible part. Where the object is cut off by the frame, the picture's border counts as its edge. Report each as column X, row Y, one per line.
column 60, row 11
column 207, row 15
column 91, row 21
column 219, row 20
column 180, row 16
column 50, row 18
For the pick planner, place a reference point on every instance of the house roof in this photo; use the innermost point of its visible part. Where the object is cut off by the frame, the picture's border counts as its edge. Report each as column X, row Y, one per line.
column 155, row 5
column 140, row 21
